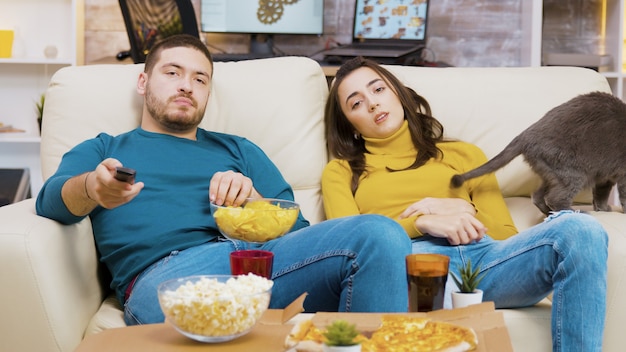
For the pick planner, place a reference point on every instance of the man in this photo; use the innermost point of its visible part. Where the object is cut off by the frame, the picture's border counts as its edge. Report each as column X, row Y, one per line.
column 160, row 227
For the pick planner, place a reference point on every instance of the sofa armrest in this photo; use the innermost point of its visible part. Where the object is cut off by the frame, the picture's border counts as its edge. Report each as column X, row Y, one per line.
column 51, row 286
column 525, row 214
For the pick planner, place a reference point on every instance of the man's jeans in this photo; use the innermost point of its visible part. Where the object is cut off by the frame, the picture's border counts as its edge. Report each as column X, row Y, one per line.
column 566, row 254
column 349, row 264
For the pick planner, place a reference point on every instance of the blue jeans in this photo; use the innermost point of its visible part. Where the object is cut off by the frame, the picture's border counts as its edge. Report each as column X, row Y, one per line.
column 349, row 264
column 566, row 254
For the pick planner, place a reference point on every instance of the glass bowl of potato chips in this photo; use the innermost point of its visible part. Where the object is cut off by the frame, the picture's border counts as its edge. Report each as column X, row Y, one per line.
column 214, row 308
column 256, row 220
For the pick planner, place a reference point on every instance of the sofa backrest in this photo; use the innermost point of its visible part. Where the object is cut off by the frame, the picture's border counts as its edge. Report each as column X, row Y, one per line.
column 490, row 106
column 276, row 103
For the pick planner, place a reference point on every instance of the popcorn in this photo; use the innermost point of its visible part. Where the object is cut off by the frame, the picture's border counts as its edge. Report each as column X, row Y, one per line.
column 208, row 307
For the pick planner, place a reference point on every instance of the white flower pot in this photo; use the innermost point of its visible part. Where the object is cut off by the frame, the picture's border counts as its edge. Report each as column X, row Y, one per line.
column 353, row 348
column 460, row 300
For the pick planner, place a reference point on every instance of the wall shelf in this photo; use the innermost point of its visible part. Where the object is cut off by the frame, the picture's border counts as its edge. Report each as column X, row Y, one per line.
column 38, row 61
column 19, row 138
column 25, row 76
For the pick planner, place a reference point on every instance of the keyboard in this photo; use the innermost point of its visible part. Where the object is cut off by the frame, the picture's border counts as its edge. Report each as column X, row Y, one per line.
column 378, row 46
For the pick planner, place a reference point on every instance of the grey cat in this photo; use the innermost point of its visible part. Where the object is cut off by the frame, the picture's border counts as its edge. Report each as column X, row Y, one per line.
column 576, row 145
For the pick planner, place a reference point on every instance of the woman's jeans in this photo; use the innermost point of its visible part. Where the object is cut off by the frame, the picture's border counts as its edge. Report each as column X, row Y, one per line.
column 352, row 264
column 566, row 254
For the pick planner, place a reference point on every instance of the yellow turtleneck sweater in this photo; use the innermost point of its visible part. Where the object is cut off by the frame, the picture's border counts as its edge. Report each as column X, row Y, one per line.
column 390, row 193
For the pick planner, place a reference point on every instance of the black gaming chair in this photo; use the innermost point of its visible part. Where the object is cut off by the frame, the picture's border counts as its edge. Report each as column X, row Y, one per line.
column 148, row 21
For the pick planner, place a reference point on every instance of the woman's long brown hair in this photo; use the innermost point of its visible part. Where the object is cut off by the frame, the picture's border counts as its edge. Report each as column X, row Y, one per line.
column 426, row 131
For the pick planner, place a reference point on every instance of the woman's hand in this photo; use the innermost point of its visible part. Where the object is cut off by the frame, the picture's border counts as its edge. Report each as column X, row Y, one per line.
column 231, row 188
column 450, row 218
column 459, row 228
column 439, row 206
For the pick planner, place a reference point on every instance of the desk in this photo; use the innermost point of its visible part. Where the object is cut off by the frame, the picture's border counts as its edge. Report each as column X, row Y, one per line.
column 111, row 60
column 330, row 71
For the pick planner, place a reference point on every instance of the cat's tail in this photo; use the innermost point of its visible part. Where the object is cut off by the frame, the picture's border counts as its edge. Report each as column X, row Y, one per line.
column 509, row 153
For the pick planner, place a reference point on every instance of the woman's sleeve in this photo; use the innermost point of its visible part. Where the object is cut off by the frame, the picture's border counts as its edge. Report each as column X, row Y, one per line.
column 336, row 192
column 338, row 198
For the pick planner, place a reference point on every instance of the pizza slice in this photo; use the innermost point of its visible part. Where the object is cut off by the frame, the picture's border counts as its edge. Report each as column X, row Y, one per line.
column 402, row 333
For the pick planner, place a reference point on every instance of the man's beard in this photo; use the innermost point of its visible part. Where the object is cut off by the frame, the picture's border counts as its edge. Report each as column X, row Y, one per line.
column 177, row 121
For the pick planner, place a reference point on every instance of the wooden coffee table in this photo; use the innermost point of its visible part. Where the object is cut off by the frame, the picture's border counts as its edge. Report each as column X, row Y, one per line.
column 164, row 338
column 270, row 333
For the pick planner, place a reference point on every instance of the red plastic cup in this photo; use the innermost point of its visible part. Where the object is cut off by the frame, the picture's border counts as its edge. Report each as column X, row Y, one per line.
column 256, row 261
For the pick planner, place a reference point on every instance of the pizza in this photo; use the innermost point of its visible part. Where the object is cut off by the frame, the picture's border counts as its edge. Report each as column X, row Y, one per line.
column 401, row 333
column 397, row 333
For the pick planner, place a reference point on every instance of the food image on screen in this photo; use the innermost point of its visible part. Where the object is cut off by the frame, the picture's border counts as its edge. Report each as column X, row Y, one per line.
column 391, row 19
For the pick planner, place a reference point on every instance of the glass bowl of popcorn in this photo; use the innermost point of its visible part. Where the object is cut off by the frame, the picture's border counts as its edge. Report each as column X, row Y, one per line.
column 256, row 220
column 214, row 308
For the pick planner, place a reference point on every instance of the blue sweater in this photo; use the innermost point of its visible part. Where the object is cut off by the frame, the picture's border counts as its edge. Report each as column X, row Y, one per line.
column 172, row 211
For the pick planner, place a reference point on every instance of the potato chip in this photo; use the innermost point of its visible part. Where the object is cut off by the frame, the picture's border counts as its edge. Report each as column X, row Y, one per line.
column 258, row 220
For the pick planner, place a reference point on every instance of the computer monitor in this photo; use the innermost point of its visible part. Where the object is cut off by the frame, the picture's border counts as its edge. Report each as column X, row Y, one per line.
column 262, row 17
column 392, row 19
column 148, row 21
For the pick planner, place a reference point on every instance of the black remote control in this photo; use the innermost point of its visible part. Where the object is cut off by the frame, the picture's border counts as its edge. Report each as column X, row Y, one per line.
column 125, row 174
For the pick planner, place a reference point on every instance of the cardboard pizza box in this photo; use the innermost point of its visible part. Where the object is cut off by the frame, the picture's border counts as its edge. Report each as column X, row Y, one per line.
column 275, row 317
column 489, row 325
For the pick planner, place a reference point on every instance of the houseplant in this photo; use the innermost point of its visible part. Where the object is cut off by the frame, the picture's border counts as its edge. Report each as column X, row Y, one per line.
column 468, row 286
column 341, row 336
column 39, row 105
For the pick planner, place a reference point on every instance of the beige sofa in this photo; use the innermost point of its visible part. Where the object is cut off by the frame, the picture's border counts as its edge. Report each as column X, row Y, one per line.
column 53, row 293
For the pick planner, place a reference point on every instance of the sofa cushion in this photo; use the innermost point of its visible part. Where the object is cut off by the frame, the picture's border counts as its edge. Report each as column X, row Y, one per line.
column 110, row 315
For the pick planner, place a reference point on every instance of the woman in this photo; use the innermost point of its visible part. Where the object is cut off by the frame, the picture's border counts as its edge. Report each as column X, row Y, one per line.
column 391, row 159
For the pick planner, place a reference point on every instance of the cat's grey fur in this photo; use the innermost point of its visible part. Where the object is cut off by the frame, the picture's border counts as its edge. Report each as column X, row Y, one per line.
column 576, row 145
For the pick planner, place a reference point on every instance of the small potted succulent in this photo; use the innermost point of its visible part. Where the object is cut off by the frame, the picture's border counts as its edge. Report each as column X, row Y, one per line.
column 468, row 286
column 341, row 336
